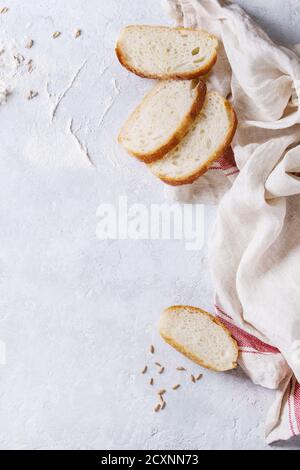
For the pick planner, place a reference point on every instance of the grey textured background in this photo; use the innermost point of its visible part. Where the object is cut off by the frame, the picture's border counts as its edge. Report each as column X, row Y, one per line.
column 77, row 315
column 279, row 18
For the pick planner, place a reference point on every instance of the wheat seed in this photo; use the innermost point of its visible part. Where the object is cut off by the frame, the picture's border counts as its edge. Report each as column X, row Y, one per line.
column 3, row 10
column 56, row 34
column 193, row 378
column 176, row 386
column 163, row 405
column 77, row 33
column 151, row 381
column 161, row 371
column 152, row 350
column 157, row 407
column 32, row 94
column 29, row 44
column 19, row 58
column 199, row 377
column 180, row 368
column 161, row 392
column 30, row 66
column 157, row 364
column 145, row 370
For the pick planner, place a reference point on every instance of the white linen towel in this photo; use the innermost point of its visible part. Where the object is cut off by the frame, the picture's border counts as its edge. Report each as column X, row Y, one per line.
column 254, row 252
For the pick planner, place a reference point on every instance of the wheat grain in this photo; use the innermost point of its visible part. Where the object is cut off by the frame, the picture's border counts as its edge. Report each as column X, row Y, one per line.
column 175, row 387
column 19, row 58
column 29, row 44
column 30, row 65
column 32, row 94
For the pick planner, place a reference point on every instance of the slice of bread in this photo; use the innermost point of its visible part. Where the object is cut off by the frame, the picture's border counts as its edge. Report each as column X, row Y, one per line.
column 208, row 139
column 166, row 53
column 162, row 119
column 199, row 336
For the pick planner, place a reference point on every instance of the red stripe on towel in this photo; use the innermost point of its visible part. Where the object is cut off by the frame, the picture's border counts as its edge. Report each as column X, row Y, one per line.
column 235, row 172
column 246, row 340
column 223, row 313
column 247, row 351
column 297, row 404
column 227, row 161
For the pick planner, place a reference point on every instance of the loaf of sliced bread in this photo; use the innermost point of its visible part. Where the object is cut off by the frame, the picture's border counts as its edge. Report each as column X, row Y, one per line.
column 166, row 53
column 199, row 336
column 162, row 119
column 208, row 139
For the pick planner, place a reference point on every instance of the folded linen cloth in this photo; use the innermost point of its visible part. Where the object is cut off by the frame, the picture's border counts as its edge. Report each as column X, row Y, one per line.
column 254, row 251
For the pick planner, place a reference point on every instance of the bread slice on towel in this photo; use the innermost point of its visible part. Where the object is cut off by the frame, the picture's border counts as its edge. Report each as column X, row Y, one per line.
column 166, row 53
column 199, row 336
column 208, row 139
column 162, row 119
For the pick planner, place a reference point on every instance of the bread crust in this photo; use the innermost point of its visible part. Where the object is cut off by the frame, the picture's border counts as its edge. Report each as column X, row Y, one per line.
column 190, row 178
column 177, row 135
column 171, row 76
column 186, row 352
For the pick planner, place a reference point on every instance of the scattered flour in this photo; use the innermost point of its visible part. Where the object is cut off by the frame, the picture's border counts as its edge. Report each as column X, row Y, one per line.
column 62, row 95
column 10, row 59
column 51, row 147
column 52, row 144
column 110, row 101
column 82, row 146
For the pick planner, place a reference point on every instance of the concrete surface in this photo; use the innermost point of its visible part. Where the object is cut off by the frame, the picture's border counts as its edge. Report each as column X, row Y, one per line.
column 279, row 18
column 77, row 314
